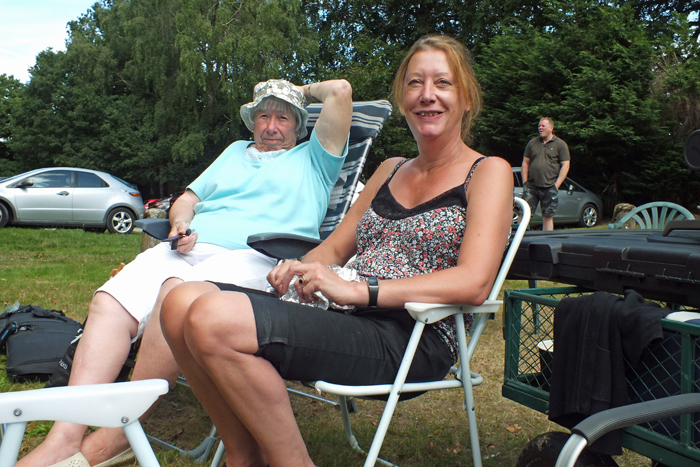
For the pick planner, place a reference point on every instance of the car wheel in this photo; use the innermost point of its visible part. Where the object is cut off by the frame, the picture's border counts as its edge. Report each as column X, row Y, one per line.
column 517, row 215
column 544, row 450
column 120, row 220
column 4, row 215
column 589, row 216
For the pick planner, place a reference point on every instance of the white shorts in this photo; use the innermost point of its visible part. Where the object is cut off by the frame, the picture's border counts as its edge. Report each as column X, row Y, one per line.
column 136, row 287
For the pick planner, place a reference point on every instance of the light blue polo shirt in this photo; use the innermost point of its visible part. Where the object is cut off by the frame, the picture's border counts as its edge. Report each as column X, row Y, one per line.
column 241, row 196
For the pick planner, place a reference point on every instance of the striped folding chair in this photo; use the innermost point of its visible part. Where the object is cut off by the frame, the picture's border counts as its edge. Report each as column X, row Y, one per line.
column 368, row 118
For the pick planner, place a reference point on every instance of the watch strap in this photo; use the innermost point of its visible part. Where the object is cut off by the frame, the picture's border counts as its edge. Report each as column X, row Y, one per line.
column 373, row 285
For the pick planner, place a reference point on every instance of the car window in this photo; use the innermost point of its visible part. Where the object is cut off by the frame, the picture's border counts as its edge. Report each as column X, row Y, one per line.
column 52, row 179
column 88, row 180
column 125, row 182
column 568, row 183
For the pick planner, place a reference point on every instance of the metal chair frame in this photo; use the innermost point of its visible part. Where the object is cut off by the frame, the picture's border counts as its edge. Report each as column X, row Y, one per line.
column 106, row 405
column 595, row 426
column 427, row 313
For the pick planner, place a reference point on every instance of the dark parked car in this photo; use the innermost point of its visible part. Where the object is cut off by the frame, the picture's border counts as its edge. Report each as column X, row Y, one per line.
column 71, row 197
column 577, row 205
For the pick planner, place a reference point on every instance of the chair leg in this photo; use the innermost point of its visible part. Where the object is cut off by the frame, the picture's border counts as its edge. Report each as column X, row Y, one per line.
column 394, row 394
column 471, row 413
column 139, row 443
column 199, row 454
column 347, row 405
column 11, row 443
column 345, row 413
column 220, row 449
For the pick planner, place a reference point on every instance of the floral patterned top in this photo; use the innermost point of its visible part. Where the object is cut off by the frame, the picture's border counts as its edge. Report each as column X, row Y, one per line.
column 394, row 242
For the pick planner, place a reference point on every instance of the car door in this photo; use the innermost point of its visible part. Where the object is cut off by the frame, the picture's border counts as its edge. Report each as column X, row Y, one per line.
column 45, row 197
column 91, row 198
column 570, row 202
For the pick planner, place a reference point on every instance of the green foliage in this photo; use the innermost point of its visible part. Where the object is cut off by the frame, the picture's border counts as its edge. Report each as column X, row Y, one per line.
column 149, row 90
column 591, row 69
column 11, row 90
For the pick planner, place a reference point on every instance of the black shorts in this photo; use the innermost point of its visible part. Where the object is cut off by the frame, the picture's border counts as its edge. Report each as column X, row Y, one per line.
column 305, row 343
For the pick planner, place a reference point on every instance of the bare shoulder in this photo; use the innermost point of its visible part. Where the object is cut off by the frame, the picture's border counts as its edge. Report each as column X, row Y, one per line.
column 494, row 174
column 496, row 163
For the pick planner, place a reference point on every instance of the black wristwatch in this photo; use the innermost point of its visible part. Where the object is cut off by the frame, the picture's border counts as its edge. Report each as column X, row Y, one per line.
column 373, row 284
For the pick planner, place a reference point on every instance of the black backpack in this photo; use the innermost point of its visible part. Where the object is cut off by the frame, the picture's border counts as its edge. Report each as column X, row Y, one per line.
column 35, row 339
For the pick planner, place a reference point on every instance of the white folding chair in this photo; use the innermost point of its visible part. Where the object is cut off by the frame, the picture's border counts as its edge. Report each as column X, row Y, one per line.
column 105, row 405
column 427, row 313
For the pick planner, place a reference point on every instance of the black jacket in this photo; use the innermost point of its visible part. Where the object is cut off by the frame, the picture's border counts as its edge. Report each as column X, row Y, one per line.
column 592, row 333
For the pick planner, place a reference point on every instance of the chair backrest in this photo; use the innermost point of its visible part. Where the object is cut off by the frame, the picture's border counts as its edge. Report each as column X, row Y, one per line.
column 653, row 215
column 368, row 118
column 514, row 242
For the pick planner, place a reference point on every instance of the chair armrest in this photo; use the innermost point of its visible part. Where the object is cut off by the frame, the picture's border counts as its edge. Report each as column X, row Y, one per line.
column 108, row 405
column 603, row 422
column 432, row 312
column 282, row 246
column 156, row 228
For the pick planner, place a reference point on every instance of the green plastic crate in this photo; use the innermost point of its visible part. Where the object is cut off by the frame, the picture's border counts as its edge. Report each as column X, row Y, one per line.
column 669, row 367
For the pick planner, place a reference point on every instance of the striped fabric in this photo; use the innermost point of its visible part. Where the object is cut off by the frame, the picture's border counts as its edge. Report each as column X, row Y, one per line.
column 368, row 118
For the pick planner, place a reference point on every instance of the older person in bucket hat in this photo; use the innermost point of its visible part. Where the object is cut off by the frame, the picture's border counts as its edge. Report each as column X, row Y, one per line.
column 268, row 184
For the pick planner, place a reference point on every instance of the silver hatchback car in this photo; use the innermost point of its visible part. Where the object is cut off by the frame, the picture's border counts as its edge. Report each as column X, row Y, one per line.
column 70, row 197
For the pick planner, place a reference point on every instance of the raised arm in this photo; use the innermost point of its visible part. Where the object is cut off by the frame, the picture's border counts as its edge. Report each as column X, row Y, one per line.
column 333, row 123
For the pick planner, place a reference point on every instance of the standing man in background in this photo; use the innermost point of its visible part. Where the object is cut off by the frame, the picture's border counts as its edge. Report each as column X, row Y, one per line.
column 545, row 165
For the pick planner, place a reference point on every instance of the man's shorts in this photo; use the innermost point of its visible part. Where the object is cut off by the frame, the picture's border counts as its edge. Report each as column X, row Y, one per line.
column 546, row 197
column 136, row 287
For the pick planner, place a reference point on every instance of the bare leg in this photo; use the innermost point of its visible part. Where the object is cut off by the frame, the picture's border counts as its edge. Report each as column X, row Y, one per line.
column 100, row 355
column 547, row 223
column 247, row 399
column 154, row 361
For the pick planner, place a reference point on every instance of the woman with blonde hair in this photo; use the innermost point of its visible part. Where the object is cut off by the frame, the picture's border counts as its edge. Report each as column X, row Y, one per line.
column 428, row 229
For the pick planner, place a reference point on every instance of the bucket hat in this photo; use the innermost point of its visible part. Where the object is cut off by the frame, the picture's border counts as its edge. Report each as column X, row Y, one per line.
column 280, row 89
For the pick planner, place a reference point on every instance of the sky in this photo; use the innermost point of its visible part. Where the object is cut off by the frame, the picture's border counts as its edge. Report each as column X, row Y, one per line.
column 29, row 26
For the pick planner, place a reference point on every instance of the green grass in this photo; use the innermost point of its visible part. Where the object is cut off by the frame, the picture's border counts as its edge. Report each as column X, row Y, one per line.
column 61, row 269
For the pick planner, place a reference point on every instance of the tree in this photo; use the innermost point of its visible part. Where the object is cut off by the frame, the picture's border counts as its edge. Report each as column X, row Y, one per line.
column 365, row 41
column 676, row 80
column 657, row 15
column 591, row 70
column 150, row 90
column 10, row 89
